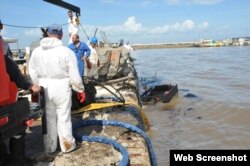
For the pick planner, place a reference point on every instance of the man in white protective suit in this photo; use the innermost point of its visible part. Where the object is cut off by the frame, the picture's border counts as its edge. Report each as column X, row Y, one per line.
column 54, row 67
column 73, row 22
column 93, row 59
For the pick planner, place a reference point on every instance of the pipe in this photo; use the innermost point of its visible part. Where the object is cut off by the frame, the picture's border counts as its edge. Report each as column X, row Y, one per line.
column 117, row 146
column 152, row 155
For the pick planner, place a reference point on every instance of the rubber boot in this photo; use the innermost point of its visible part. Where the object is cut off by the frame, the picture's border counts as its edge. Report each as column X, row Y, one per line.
column 17, row 150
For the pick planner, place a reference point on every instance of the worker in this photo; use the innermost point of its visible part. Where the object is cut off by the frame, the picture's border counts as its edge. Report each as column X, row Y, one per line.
column 73, row 22
column 17, row 142
column 93, row 58
column 121, row 43
column 54, row 67
column 128, row 47
column 82, row 53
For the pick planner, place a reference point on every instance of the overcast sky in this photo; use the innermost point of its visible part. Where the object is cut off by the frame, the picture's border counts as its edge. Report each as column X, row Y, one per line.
column 137, row 21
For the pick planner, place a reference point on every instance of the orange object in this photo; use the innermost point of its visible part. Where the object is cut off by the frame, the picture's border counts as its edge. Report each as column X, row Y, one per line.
column 114, row 56
column 8, row 92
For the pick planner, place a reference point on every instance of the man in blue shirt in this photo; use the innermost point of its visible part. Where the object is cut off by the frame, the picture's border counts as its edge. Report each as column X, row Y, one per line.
column 81, row 51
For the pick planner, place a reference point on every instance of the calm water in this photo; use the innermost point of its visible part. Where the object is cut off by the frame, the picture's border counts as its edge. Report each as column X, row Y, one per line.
column 219, row 117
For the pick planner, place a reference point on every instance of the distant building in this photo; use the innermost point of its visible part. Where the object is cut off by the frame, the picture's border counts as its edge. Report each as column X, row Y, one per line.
column 240, row 41
column 227, row 42
column 210, row 43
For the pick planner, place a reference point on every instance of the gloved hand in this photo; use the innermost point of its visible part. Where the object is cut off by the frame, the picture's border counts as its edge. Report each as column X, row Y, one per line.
column 81, row 97
column 89, row 65
column 35, row 88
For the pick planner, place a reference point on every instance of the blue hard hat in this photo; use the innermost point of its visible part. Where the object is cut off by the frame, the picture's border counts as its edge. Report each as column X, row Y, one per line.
column 55, row 29
column 94, row 40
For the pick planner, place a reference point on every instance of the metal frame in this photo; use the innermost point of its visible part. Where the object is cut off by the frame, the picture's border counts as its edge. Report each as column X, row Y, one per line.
column 65, row 5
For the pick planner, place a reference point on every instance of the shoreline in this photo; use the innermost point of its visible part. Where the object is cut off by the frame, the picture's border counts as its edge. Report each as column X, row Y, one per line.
column 159, row 46
column 162, row 46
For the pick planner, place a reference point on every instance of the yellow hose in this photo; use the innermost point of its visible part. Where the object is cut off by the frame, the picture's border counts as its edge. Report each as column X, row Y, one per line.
column 98, row 106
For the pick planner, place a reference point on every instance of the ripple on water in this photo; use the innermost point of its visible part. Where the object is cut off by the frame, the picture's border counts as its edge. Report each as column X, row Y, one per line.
column 219, row 118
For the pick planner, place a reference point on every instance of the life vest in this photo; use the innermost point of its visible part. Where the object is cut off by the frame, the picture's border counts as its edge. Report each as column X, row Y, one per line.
column 8, row 91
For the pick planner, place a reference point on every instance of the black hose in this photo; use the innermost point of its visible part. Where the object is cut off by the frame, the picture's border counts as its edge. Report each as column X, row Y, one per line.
column 121, row 98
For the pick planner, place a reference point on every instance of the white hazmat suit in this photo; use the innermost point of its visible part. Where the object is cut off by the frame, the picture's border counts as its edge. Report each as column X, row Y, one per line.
column 72, row 27
column 93, row 59
column 54, row 67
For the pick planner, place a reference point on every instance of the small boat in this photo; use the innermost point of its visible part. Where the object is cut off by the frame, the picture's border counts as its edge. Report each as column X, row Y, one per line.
column 163, row 93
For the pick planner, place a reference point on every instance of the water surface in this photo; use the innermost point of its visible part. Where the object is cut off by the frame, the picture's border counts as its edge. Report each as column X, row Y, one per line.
column 219, row 117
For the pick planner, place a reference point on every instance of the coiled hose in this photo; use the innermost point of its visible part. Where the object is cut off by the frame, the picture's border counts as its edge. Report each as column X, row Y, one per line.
column 135, row 129
column 117, row 146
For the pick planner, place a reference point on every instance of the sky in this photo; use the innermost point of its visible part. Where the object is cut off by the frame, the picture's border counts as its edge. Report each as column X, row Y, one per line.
column 136, row 21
